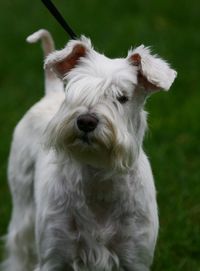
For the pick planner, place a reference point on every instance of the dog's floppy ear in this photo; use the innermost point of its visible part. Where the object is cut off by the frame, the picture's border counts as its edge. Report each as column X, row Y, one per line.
column 153, row 72
column 61, row 62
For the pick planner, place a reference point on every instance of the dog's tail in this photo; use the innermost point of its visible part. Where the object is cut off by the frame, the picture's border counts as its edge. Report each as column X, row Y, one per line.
column 52, row 82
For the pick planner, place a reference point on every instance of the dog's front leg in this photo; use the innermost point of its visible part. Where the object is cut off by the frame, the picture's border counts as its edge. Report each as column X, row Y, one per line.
column 55, row 232
column 54, row 237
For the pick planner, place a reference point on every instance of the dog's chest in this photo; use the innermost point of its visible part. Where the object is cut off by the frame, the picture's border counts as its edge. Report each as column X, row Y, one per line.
column 101, row 199
column 99, row 228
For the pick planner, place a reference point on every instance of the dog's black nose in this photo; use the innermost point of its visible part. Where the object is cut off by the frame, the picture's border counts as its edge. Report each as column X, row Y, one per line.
column 87, row 122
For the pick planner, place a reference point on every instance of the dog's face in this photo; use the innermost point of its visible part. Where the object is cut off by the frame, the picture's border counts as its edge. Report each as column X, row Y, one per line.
column 102, row 122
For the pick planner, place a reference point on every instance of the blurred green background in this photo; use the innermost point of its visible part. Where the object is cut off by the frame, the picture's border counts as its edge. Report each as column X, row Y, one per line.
column 172, row 142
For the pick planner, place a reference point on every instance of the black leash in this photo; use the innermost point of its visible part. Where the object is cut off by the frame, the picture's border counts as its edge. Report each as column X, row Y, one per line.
column 54, row 11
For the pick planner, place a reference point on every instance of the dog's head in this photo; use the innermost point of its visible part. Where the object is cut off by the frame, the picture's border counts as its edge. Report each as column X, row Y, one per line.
column 102, row 122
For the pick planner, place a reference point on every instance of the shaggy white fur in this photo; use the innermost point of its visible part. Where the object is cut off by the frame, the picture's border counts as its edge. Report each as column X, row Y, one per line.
column 82, row 187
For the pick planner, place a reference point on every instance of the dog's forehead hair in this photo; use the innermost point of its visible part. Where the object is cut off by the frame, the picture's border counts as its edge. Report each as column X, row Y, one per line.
column 98, row 76
column 99, row 65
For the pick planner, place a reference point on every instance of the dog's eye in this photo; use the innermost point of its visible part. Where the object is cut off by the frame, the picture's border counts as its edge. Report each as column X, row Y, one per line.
column 122, row 99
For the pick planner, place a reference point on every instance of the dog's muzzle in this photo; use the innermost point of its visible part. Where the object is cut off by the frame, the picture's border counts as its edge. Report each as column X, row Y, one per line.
column 87, row 123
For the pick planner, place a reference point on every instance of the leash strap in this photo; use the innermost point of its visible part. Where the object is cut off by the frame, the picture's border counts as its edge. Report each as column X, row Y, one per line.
column 54, row 11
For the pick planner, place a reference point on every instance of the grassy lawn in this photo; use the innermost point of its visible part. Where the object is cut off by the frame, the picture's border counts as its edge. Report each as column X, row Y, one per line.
column 173, row 30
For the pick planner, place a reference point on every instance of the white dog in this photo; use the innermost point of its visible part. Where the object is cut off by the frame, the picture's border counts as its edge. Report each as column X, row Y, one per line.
column 82, row 187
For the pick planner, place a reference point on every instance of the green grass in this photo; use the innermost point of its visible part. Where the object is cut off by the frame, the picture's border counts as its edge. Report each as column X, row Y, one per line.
column 172, row 143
